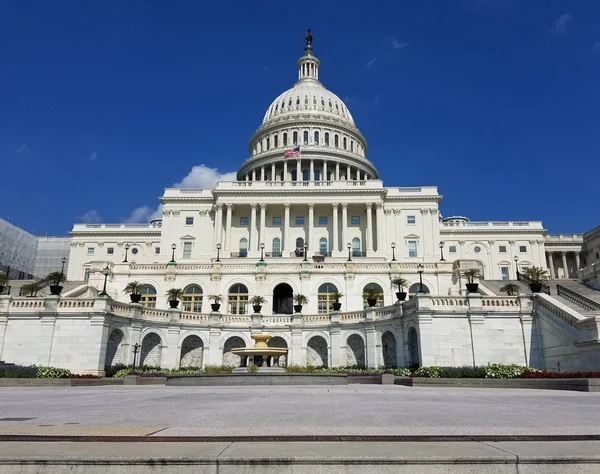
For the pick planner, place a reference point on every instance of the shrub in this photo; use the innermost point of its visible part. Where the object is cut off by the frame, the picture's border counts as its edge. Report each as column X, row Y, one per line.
column 85, row 376
column 433, row 371
column 463, row 372
column 111, row 370
column 401, row 372
column 18, row 371
column 536, row 373
column 504, row 371
column 218, row 369
column 44, row 372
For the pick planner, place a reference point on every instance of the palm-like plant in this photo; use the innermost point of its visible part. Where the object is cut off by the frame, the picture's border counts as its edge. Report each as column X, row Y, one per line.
column 337, row 296
column 30, row 289
column 399, row 282
column 371, row 293
column 175, row 294
column 300, row 299
column 537, row 274
column 4, row 279
column 471, row 274
column 511, row 289
column 56, row 278
column 133, row 288
column 257, row 300
column 216, row 299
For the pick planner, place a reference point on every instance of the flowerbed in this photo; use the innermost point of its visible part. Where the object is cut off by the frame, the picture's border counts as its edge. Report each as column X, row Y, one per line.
column 14, row 371
column 161, row 372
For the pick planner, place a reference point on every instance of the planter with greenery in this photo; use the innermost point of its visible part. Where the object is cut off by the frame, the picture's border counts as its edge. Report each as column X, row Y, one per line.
column 400, row 283
column 371, row 295
column 537, row 276
column 174, row 295
column 216, row 302
column 56, row 278
column 133, row 288
column 337, row 296
column 470, row 275
column 4, row 280
column 300, row 300
column 30, row 289
column 257, row 302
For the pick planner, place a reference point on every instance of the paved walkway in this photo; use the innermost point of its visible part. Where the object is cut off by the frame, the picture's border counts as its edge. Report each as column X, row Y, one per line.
column 352, row 410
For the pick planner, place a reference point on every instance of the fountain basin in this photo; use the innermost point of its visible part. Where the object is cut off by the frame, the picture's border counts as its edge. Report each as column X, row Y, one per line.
column 265, row 358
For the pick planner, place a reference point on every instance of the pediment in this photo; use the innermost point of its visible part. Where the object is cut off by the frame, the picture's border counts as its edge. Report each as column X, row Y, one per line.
column 188, row 237
column 411, row 236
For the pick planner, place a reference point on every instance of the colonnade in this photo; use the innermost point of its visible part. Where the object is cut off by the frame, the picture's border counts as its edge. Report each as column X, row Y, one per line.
column 564, row 265
column 320, row 171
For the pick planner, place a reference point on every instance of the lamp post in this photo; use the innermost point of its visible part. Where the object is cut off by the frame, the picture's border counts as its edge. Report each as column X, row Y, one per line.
column 349, row 253
column 63, row 261
column 218, row 252
column 106, row 272
column 517, row 266
column 173, row 247
column 126, row 250
column 262, row 252
column 420, row 270
column 393, row 251
column 305, row 252
column 442, row 251
column 136, row 348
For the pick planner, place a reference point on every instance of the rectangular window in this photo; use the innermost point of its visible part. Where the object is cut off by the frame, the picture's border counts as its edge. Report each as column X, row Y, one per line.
column 523, row 248
column 505, row 271
column 502, row 249
column 243, row 221
column 322, row 220
column 355, row 220
column 157, row 250
column 187, row 250
column 90, row 251
column 86, row 275
column 189, row 221
column 452, row 249
column 110, row 251
column 299, row 220
column 276, row 220
column 412, row 248
column 410, row 220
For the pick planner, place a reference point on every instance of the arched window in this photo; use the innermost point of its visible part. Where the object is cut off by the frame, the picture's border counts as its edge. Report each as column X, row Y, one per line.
column 317, row 175
column 148, row 293
column 337, row 106
column 326, row 139
column 260, row 146
column 299, row 247
column 268, row 143
column 345, row 143
column 244, row 247
column 290, row 102
column 351, row 145
column 276, row 250
column 295, row 138
column 276, row 141
column 329, row 103
column 294, row 175
column 414, row 289
column 378, row 289
column 316, row 138
column 356, row 250
column 285, row 139
column 305, row 100
column 237, row 299
column 322, row 102
column 297, row 100
column 325, row 297
column 192, row 299
column 305, row 137
column 323, row 246
column 336, row 141
column 276, row 107
column 305, row 174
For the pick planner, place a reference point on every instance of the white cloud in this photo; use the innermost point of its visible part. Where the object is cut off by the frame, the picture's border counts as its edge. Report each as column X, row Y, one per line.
column 399, row 44
column 91, row 217
column 204, row 177
column 93, row 156
column 561, row 24
column 143, row 214
column 371, row 62
column 23, row 149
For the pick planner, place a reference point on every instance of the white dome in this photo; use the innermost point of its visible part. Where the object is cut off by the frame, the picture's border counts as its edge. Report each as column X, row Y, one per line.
column 308, row 96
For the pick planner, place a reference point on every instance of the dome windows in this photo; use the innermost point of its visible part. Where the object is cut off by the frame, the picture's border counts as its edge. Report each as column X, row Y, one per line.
column 268, row 143
column 285, row 139
column 345, row 143
column 305, row 100
column 322, row 102
column 330, row 103
column 337, row 107
column 316, row 138
column 276, row 141
column 297, row 100
column 305, row 141
column 295, row 138
column 326, row 139
column 336, row 141
column 351, row 145
column 314, row 100
column 290, row 102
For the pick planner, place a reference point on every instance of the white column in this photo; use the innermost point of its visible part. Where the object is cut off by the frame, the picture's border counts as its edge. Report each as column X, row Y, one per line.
column 263, row 216
column 348, row 173
column 311, row 226
column 299, row 170
column 324, row 172
column 337, row 171
column 380, row 227
column 273, row 172
column 252, row 244
column 262, row 173
column 285, row 175
column 564, row 264
column 228, row 227
column 218, row 225
column 335, row 245
column 247, row 177
column 551, row 265
column 577, row 262
column 254, row 174
column 286, row 227
column 311, row 175
column 344, row 224
column 369, row 228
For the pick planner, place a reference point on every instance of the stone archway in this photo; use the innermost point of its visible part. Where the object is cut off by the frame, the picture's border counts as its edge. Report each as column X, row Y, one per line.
column 355, row 351
column 192, row 352
column 413, row 348
column 279, row 342
column 388, row 350
column 283, row 299
column 316, row 352
column 150, row 353
column 229, row 358
column 114, row 348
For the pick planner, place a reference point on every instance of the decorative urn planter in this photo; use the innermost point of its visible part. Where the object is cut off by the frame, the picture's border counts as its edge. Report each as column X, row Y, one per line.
column 257, row 308
column 135, row 297
column 2, row 289
column 215, row 306
column 297, row 308
column 401, row 295
column 472, row 287
column 55, row 289
column 371, row 302
column 173, row 304
column 535, row 287
column 337, row 306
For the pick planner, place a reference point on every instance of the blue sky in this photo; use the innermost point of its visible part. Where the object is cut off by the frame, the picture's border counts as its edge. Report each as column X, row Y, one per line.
column 104, row 104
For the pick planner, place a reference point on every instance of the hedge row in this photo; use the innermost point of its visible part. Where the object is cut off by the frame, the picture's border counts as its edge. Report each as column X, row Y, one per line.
column 32, row 372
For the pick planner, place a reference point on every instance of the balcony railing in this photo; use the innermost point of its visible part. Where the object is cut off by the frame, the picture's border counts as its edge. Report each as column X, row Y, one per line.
column 578, row 299
column 243, row 253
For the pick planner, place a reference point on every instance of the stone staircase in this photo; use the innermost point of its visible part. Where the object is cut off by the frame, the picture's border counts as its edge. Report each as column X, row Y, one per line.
column 493, row 287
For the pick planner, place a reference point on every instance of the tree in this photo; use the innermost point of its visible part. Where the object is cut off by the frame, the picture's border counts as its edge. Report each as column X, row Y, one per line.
column 511, row 289
column 537, row 274
column 471, row 274
column 133, row 288
column 175, row 294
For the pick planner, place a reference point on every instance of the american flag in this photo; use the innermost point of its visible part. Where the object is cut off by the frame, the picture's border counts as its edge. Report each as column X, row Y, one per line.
column 292, row 153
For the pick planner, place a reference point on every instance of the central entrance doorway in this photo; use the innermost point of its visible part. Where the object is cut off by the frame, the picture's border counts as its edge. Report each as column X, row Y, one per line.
column 282, row 299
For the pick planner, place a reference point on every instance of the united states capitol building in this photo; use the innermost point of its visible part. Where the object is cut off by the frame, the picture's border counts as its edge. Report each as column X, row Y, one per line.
column 308, row 214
